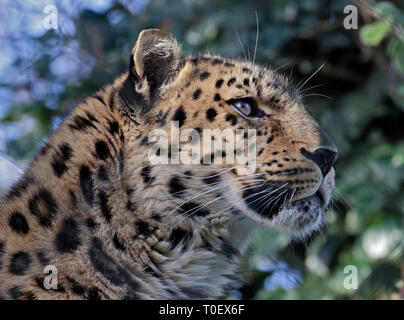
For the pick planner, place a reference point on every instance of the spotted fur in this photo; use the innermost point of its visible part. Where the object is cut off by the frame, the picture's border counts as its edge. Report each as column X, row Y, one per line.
column 118, row 227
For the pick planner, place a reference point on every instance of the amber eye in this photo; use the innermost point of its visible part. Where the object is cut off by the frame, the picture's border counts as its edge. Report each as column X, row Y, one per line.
column 246, row 107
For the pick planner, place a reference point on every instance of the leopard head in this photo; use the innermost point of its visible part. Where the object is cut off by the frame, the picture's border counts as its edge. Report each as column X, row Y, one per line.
column 287, row 185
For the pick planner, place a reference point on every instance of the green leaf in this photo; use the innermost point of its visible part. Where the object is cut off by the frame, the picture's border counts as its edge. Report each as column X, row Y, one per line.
column 396, row 52
column 373, row 34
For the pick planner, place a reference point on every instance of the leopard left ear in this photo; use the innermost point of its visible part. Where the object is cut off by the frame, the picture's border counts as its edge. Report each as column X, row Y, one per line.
column 155, row 59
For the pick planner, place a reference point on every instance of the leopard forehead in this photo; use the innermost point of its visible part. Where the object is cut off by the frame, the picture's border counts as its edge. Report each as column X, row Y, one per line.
column 227, row 79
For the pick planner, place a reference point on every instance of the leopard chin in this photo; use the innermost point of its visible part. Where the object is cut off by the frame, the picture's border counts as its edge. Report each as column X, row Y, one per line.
column 300, row 218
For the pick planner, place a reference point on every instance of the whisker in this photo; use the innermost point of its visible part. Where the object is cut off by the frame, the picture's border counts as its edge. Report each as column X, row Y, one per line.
column 234, row 204
column 308, row 79
column 265, row 200
column 198, row 208
column 309, row 88
column 256, row 37
column 201, row 194
column 241, row 44
column 319, row 95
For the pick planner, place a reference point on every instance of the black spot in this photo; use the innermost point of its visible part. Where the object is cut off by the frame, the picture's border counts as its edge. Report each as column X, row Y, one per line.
column 149, row 270
column 228, row 64
column 18, row 223
column 232, row 118
column 228, row 250
column 60, row 158
column 44, row 149
column 91, row 117
column 102, row 173
column 192, row 294
column 246, row 82
column 189, row 174
column 179, row 116
column 46, row 217
column 212, row 179
column 231, row 81
column 40, row 282
column 196, row 94
column 1, row 253
column 178, row 236
column 192, row 209
column 76, row 287
column 81, row 124
column 219, row 83
column 113, row 127
column 156, row 216
column 143, row 228
column 217, row 61
column 105, row 209
column 118, row 243
column 217, row 97
column 144, row 141
column 145, row 173
column 211, row 114
column 99, row 98
column 102, row 150
column 269, row 140
column 73, row 199
column 20, row 187
column 110, row 269
column 247, row 70
column 93, row 294
column 87, row 185
column 17, row 293
column 20, row 262
column 130, row 206
column 204, row 75
column 68, row 238
column 91, row 223
column 43, row 259
column 121, row 161
column 176, row 188
column 162, row 117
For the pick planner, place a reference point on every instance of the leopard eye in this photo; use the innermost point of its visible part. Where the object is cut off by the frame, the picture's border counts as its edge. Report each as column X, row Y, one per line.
column 246, row 107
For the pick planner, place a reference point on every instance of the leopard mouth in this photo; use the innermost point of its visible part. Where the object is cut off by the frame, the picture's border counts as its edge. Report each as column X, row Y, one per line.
column 299, row 217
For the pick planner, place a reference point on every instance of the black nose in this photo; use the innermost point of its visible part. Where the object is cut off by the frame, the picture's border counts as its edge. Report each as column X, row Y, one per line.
column 324, row 158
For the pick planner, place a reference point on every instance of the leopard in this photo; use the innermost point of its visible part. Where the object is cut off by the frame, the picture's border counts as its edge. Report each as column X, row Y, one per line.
column 93, row 217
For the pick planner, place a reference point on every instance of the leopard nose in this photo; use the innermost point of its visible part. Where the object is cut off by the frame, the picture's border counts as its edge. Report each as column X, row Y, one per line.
column 324, row 158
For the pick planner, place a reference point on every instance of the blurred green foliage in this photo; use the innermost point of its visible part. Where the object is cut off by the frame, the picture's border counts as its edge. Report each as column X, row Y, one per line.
column 357, row 96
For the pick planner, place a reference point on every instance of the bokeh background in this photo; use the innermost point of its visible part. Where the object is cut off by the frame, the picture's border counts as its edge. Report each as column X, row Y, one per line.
column 358, row 96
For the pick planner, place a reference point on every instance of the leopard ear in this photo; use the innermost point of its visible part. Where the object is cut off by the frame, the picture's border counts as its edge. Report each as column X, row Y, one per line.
column 155, row 59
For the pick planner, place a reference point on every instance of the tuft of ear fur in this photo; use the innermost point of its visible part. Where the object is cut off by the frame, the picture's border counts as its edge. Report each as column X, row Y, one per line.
column 155, row 59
